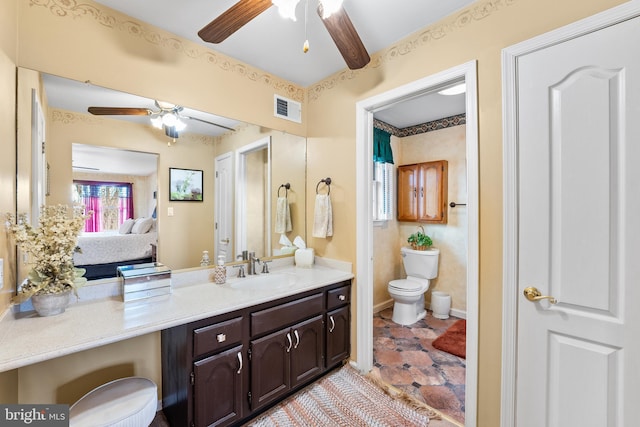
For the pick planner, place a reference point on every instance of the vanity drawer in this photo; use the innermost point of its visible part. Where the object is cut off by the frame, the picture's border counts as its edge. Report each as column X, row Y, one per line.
column 285, row 314
column 217, row 336
column 338, row 296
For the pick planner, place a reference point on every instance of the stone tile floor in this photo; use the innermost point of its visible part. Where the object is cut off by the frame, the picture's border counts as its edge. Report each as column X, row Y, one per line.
column 404, row 358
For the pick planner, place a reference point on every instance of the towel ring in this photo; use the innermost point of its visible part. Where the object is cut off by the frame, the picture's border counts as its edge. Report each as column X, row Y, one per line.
column 327, row 182
column 286, row 186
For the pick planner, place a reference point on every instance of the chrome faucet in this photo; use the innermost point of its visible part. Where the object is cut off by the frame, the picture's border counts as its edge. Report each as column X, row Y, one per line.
column 252, row 263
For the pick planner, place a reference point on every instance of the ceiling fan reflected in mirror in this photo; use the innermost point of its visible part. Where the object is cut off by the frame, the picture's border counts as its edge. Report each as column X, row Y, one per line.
column 333, row 15
column 169, row 117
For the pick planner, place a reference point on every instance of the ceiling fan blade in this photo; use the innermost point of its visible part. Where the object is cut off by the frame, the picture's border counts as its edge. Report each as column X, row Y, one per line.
column 118, row 111
column 233, row 19
column 346, row 38
column 209, row 123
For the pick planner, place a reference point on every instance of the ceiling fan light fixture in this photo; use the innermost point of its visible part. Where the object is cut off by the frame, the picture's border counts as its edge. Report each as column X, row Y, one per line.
column 156, row 122
column 169, row 120
column 329, row 7
column 180, row 125
column 286, row 8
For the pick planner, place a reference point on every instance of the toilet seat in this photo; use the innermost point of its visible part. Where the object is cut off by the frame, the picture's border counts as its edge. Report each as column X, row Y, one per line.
column 406, row 285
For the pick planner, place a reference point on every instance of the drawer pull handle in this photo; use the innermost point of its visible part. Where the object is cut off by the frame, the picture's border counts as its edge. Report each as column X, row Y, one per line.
column 239, row 360
column 333, row 324
column 342, row 297
column 221, row 337
column 297, row 338
column 290, row 342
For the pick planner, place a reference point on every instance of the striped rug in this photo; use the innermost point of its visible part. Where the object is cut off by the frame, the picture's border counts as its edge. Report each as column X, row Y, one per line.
column 345, row 398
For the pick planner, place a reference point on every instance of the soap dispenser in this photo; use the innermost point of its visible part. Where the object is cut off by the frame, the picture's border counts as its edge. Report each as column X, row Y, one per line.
column 220, row 271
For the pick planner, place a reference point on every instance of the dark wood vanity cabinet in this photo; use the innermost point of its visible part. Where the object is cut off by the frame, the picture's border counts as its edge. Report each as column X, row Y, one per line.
column 223, row 370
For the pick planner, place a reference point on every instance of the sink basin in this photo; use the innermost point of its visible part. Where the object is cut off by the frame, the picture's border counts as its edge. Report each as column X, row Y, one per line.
column 264, row 281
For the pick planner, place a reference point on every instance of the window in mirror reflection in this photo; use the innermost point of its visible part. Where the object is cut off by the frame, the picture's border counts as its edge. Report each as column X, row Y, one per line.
column 110, row 202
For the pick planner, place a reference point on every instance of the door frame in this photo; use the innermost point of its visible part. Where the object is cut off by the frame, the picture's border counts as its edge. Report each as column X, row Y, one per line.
column 241, row 191
column 364, row 231
column 510, row 295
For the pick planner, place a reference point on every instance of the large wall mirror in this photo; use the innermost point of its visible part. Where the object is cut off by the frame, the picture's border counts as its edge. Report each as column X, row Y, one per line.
column 83, row 148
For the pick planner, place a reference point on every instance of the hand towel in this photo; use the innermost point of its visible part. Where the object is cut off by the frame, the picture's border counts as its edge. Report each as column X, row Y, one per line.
column 283, row 216
column 323, row 217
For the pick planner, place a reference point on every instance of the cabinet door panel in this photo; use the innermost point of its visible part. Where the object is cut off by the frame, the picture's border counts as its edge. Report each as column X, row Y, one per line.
column 306, row 355
column 270, row 367
column 432, row 196
column 407, row 193
column 218, row 389
column 338, row 335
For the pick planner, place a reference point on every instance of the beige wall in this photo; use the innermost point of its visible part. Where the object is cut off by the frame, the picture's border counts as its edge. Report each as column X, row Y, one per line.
column 130, row 58
column 8, row 60
column 451, row 238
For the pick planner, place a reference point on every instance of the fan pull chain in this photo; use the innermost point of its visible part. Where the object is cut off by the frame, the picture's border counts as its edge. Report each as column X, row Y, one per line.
column 305, row 47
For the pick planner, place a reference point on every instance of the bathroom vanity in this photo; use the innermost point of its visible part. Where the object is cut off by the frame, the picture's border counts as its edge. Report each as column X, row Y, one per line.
column 226, row 369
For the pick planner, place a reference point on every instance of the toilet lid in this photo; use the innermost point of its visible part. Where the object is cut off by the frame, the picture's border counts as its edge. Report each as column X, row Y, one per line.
column 405, row 285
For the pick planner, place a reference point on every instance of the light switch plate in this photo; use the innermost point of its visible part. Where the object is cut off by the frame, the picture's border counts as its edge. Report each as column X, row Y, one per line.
column 170, row 211
column 1, row 273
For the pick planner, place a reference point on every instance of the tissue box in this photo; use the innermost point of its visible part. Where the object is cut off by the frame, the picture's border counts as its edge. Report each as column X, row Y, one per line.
column 144, row 280
column 304, row 257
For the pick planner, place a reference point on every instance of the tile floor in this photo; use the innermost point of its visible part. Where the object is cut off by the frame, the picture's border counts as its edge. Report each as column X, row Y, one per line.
column 403, row 357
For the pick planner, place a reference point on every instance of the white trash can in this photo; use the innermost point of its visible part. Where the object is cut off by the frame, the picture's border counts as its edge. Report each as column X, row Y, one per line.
column 440, row 304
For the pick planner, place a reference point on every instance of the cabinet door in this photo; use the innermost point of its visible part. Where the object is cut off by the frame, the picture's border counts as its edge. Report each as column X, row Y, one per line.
column 218, row 388
column 407, row 193
column 338, row 335
column 270, row 367
column 306, row 354
column 432, row 193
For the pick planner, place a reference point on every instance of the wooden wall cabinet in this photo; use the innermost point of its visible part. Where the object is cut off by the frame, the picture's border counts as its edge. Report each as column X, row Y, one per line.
column 223, row 370
column 422, row 192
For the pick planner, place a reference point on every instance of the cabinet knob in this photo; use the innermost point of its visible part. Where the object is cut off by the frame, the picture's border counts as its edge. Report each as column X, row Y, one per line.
column 342, row 297
column 221, row 337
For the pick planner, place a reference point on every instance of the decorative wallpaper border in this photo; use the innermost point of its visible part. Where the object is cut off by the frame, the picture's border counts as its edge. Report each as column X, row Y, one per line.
column 447, row 122
column 111, row 19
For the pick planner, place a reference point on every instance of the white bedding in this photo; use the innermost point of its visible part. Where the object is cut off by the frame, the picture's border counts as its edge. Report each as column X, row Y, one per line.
column 110, row 246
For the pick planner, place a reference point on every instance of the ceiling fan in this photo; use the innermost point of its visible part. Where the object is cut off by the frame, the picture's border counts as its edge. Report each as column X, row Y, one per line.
column 167, row 117
column 333, row 15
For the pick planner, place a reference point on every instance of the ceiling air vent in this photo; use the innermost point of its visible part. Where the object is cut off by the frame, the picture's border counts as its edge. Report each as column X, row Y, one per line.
column 287, row 109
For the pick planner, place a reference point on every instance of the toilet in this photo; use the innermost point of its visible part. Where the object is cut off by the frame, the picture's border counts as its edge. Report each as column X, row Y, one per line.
column 408, row 294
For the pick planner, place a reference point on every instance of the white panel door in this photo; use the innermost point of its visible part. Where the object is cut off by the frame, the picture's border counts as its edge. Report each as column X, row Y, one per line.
column 223, row 211
column 578, row 360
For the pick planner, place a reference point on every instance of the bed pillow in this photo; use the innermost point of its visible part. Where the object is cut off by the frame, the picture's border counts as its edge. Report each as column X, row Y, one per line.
column 126, row 226
column 142, row 226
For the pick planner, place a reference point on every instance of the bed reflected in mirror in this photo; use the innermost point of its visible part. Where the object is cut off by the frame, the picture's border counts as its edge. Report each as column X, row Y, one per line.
column 120, row 188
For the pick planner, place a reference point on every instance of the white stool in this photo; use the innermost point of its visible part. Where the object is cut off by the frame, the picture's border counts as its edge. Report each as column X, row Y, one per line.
column 125, row 402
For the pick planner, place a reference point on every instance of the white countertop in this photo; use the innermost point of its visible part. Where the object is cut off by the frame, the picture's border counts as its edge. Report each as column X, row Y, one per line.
column 27, row 338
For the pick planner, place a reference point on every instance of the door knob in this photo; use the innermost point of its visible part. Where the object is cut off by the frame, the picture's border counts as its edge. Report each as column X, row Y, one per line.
column 533, row 294
column 225, row 241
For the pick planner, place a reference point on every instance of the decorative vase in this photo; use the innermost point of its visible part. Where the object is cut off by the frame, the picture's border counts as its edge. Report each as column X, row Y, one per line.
column 51, row 304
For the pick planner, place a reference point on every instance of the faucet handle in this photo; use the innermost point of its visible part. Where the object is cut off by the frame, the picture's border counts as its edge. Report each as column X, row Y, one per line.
column 265, row 267
column 240, row 268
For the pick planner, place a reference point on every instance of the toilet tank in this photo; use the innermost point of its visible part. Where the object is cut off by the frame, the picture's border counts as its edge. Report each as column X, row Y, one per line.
column 422, row 264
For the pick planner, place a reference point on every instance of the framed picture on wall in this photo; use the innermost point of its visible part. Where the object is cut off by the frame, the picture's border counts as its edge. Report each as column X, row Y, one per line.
column 185, row 185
